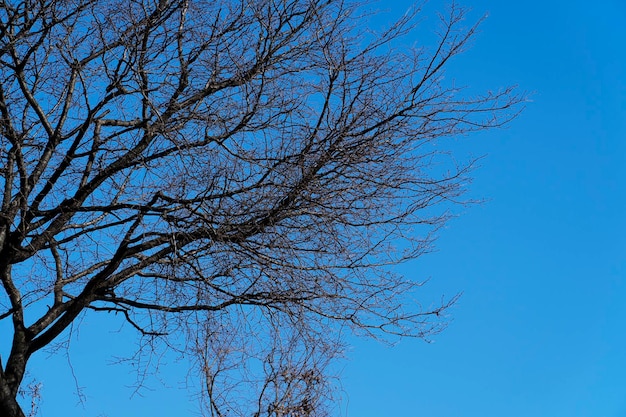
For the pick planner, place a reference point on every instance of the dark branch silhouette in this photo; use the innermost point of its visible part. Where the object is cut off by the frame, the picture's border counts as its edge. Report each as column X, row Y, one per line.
column 234, row 173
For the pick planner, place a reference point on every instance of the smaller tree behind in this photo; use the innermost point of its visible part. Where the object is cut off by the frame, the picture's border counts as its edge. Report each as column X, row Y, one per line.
column 233, row 174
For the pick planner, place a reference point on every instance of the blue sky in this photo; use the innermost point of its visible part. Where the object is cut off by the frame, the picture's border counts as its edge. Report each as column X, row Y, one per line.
column 539, row 330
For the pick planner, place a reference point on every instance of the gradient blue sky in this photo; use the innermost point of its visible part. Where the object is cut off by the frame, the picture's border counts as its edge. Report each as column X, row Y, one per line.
column 541, row 328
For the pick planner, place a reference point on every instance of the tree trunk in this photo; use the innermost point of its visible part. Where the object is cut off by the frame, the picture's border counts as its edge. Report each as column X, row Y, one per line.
column 9, row 406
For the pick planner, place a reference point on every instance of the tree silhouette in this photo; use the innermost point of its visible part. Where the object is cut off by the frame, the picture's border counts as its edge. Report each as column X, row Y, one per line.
column 228, row 177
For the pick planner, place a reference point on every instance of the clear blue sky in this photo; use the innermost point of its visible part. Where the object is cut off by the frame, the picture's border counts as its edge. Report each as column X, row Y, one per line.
column 541, row 328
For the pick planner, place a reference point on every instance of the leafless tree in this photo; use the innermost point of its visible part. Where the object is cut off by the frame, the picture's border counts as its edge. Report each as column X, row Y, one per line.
column 234, row 173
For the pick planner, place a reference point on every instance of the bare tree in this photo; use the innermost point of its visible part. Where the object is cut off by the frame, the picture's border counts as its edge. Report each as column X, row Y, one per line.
column 234, row 173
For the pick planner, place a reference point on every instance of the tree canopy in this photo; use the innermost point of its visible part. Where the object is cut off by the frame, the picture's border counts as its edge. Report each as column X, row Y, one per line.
column 231, row 178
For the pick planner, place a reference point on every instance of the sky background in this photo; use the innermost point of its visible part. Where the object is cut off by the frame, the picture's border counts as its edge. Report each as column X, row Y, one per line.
column 540, row 328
